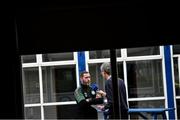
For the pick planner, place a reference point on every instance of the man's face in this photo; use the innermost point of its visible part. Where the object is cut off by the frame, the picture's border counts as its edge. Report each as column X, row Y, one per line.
column 102, row 73
column 86, row 79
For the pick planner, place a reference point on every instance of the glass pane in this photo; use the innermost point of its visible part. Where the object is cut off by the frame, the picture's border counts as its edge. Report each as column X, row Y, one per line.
column 51, row 112
column 146, row 104
column 32, row 113
column 61, row 112
column 145, row 78
column 141, row 51
column 120, row 70
column 178, row 108
column 118, row 52
column 176, row 76
column 59, row 83
column 57, row 56
column 28, row 58
column 102, row 54
column 176, row 49
column 96, row 76
column 31, row 85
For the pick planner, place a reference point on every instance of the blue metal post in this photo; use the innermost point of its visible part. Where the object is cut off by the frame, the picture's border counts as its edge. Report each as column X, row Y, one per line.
column 81, row 61
column 169, row 80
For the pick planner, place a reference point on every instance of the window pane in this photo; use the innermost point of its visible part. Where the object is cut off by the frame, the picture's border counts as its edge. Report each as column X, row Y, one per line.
column 146, row 104
column 120, row 70
column 61, row 112
column 145, row 78
column 178, row 108
column 102, row 54
column 51, row 112
column 96, row 76
column 32, row 113
column 59, row 83
column 118, row 52
column 176, row 49
column 31, row 85
column 28, row 58
column 141, row 51
column 57, row 56
column 176, row 76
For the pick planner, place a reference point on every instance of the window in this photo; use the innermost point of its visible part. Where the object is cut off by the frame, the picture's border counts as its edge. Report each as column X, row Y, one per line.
column 142, row 51
column 176, row 62
column 51, row 112
column 178, row 107
column 145, row 78
column 31, row 85
column 52, row 78
column 28, row 58
column 176, row 76
column 59, row 83
column 57, row 56
column 176, row 49
column 96, row 77
column 32, row 113
column 146, row 104
column 102, row 54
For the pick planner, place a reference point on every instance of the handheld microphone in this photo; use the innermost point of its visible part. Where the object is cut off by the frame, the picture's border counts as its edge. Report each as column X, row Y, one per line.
column 94, row 86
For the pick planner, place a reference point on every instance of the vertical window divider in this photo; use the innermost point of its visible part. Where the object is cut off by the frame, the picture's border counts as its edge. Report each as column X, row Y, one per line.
column 39, row 61
column 124, row 57
column 173, row 79
column 161, row 51
column 179, row 68
column 86, row 60
column 77, row 69
column 164, row 76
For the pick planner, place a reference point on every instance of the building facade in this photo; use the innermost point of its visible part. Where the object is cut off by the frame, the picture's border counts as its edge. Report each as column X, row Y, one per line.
column 151, row 75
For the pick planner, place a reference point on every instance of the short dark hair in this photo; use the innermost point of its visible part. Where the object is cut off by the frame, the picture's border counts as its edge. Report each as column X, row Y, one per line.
column 106, row 67
column 82, row 73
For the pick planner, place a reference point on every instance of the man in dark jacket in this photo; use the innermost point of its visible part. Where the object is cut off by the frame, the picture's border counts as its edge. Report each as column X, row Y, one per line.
column 85, row 96
column 106, row 73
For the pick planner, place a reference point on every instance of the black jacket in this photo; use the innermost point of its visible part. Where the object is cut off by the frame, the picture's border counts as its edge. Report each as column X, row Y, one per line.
column 109, row 95
column 81, row 95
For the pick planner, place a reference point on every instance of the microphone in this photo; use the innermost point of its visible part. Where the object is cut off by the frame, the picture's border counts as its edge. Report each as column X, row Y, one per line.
column 94, row 86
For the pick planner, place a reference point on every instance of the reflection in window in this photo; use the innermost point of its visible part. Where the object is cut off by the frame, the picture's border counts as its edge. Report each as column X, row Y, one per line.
column 32, row 113
column 145, row 78
column 176, row 76
column 51, row 112
column 28, row 58
column 57, row 56
column 31, row 85
column 60, row 112
column 102, row 54
column 59, row 83
column 146, row 104
column 176, row 49
column 96, row 76
column 141, row 51
column 178, row 108
column 120, row 71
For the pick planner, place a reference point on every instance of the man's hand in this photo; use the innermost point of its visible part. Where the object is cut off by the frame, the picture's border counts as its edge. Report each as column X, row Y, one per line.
column 102, row 93
column 89, row 99
column 101, row 107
